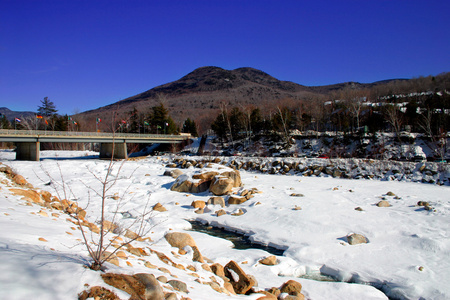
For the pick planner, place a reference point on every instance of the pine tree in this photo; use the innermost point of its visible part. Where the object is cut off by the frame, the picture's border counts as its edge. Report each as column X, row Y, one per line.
column 189, row 126
column 47, row 108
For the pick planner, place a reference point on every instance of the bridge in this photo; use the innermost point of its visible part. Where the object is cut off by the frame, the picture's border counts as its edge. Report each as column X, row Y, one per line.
column 111, row 144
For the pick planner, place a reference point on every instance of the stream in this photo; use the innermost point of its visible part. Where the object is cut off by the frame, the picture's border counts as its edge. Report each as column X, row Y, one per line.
column 241, row 241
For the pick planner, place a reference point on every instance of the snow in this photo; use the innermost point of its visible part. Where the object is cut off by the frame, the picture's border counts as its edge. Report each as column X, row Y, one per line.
column 406, row 257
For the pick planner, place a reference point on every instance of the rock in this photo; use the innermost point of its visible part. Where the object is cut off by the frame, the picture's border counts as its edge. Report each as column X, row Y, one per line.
column 218, row 269
column 131, row 234
column 229, row 287
column 244, row 192
column 383, row 203
column 179, row 239
column 358, row 208
column 47, row 196
column 355, row 238
column 206, row 176
column 216, row 201
column 109, row 226
column 28, row 195
column 240, row 212
column 152, row 288
column 159, row 207
column 97, row 292
column 171, row 296
column 291, row 287
column 220, row 212
column 240, row 281
column 173, row 173
column 390, row 194
column 296, row 195
column 139, row 286
column 206, row 267
column 178, row 285
column 109, row 257
column 423, row 203
column 20, row 180
column 185, row 184
column 221, row 185
column 199, row 211
column 198, row 204
column 236, row 199
column 269, row 260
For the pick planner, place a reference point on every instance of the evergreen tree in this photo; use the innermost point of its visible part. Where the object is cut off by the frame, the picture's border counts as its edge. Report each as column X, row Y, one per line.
column 189, row 126
column 160, row 120
column 256, row 121
column 219, row 126
column 134, row 120
column 47, row 108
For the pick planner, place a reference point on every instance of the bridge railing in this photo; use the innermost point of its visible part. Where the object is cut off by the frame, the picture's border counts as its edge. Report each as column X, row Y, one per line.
column 47, row 133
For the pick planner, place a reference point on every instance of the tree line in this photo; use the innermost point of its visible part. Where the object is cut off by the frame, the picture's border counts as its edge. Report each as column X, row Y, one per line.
column 155, row 121
column 348, row 111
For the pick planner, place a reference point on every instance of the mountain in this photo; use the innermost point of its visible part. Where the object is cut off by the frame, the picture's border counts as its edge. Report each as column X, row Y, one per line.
column 200, row 94
column 10, row 115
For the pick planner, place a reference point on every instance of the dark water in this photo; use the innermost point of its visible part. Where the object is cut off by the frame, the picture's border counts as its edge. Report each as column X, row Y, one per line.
column 239, row 240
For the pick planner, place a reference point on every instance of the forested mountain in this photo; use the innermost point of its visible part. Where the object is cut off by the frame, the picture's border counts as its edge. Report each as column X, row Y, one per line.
column 200, row 94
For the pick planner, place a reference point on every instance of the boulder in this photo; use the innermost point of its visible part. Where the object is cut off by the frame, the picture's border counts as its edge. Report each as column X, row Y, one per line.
column 152, row 288
column 198, row 204
column 28, row 195
column 185, row 184
column 217, row 200
column 239, row 212
column 291, row 287
column 139, row 286
column 205, row 176
column 173, row 173
column 221, row 185
column 220, row 212
column 355, row 238
column 218, row 269
column 20, row 180
column 178, row 285
column 179, row 239
column 383, row 203
column 240, row 281
column 236, row 200
column 97, row 292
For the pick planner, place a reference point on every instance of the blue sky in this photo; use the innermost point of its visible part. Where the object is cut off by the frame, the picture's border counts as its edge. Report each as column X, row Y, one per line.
column 84, row 54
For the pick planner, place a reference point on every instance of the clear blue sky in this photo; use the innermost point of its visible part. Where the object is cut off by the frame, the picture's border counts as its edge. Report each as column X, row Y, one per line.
column 84, row 54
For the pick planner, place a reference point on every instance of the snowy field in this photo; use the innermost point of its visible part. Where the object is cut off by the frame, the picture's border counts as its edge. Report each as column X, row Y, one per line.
column 407, row 256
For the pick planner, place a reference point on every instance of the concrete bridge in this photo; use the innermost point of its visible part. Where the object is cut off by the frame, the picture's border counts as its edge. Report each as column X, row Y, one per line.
column 111, row 144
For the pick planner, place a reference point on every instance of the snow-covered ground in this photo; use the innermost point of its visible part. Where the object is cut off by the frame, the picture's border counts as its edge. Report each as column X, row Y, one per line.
column 406, row 257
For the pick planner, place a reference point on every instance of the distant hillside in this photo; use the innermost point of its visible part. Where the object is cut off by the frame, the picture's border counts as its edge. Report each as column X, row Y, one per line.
column 10, row 115
column 199, row 94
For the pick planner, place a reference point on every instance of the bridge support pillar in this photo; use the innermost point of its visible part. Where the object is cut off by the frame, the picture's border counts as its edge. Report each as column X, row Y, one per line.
column 120, row 150
column 28, row 151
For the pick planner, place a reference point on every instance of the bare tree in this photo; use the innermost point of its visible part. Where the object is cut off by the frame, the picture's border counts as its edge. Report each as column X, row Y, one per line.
column 395, row 118
column 438, row 141
column 284, row 118
column 97, row 245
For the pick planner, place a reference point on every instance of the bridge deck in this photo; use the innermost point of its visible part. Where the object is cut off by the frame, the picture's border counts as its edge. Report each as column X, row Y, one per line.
column 8, row 135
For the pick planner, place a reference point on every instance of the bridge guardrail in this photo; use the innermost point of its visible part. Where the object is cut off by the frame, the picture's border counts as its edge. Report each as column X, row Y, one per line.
column 47, row 133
